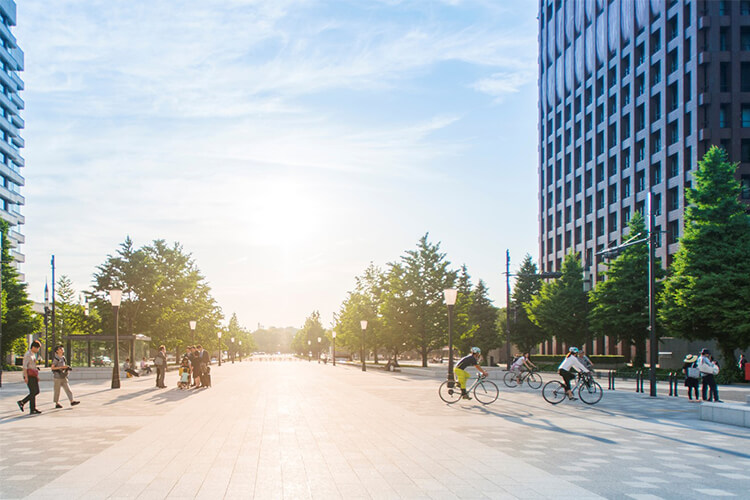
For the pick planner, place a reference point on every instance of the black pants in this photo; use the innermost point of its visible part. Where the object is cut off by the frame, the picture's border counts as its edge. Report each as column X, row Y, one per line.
column 160, row 376
column 692, row 385
column 709, row 385
column 33, row 385
column 567, row 377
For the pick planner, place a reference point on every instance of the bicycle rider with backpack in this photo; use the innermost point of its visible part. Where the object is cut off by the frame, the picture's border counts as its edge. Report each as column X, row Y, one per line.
column 472, row 359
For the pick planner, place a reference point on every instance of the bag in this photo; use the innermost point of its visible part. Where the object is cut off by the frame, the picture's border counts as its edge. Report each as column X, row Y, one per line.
column 693, row 372
column 716, row 369
column 158, row 361
column 32, row 372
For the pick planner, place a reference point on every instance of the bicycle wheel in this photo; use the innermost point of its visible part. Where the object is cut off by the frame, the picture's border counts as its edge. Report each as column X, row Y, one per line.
column 534, row 380
column 591, row 392
column 553, row 392
column 510, row 379
column 449, row 394
column 486, row 392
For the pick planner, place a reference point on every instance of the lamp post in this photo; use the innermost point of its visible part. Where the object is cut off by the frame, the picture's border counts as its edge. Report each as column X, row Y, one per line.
column 192, row 332
column 232, row 350
column 309, row 351
column 221, row 353
column 333, row 335
column 318, row 350
column 115, row 296
column 450, row 295
column 46, row 321
column 363, row 324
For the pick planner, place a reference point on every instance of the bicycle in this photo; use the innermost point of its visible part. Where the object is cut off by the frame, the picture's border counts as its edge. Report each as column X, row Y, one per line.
column 485, row 391
column 589, row 390
column 530, row 377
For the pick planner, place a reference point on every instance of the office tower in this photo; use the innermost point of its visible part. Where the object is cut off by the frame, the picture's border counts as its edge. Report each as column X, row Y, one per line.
column 11, row 124
column 632, row 93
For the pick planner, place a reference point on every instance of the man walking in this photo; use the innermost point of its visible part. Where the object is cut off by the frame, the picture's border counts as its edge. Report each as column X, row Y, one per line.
column 31, row 377
column 161, row 366
column 60, row 370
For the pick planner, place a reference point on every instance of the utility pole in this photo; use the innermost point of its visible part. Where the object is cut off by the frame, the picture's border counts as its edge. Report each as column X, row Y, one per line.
column 53, row 301
column 507, row 309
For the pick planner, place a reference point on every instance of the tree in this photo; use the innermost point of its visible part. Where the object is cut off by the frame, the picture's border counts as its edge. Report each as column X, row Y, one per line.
column 426, row 275
column 163, row 291
column 561, row 307
column 523, row 332
column 18, row 319
column 707, row 294
column 619, row 305
column 464, row 328
column 483, row 317
column 70, row 315
column 240, row 334
column 311, row 330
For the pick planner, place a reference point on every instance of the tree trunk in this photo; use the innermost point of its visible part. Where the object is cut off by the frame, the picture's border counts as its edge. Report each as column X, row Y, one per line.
column 424, row 356
column 640, row 352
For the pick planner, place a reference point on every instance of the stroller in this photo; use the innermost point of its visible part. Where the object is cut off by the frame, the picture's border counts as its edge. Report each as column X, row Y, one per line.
column 184, row 381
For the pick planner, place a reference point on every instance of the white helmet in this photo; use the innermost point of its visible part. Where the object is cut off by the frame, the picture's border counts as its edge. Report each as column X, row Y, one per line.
column 476, row 350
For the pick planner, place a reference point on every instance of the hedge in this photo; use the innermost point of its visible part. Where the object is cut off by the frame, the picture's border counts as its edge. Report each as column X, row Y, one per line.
column 558, row 358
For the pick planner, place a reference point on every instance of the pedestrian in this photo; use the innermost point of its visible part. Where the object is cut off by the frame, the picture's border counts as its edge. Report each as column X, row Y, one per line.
column 60, row 370
column 742, row 362
column 160, row 361
column 145, row 367
column 31, row 377
column 708, row 369
column 692, row 375
column 128, row 368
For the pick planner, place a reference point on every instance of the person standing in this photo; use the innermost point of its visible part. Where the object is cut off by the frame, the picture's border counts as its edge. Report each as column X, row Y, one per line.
column 692, row 375
column 60, row 370
column 31, row 377
column 741, row 363
column 708, row 369
column 161, row 366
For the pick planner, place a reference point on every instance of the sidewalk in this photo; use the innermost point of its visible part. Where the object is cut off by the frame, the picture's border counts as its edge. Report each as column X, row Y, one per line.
column 304, row 430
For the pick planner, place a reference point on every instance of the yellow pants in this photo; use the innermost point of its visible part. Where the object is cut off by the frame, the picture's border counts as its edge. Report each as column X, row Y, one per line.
column 462, row 376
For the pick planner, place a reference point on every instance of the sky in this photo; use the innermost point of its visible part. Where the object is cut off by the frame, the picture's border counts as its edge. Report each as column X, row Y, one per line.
column 286, row 144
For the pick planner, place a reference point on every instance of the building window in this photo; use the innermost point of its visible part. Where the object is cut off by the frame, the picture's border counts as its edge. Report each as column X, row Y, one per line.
column 588, row 231
column 657, row 204
column 687, row 91
column 655, row 41
column 745, row 38
column 600, row 226
column 745, row 76
column 612, row 193
column 656, row 142
column 673, row 231
column 626, row 95
column 599, row 173
column 725, row 77
column 600, row 199
column 640, row 85
column 655, row 174
column 613, row 222
column 745, row 8
column 656, row 107
column 625, row 159
column 724, row 116
column 589, row 180
column 640, row 181
column 625, row 67
column 688, row 124
column 625, row 216
column 723, row 10
column 745, row 116
column 589, row 205
column 625, row 187
column 655, row 73
column 745, row 183
column 673, row 135
column 640, row 150
column 724, row 39
column 612, row 166
column 673, row 199
column 673, row 166
column 672, row 99
column 745, row 150
column 687, row 159
column 657, row 236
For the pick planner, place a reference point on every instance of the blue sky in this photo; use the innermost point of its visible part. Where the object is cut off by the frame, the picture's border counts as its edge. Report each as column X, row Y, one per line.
column 285, row 143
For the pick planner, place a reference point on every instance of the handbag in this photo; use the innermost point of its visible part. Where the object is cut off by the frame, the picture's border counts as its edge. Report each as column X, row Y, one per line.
column 693, row 372
column 32, row 372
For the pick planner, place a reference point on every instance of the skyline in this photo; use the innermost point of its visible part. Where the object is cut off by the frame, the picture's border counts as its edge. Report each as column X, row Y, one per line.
column 372, row 124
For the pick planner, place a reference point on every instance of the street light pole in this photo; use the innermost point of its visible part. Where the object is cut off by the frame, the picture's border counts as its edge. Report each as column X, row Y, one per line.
column 233, row 350
column 654, row 347
column 192, row 332
column 450, row 295
column 333, row 335
column 115, row 296
column 221, row 351
column 507, row 309
column 363, row 324
column 46, row 322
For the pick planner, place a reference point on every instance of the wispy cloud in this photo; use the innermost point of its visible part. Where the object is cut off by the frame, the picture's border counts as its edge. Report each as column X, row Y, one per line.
column 499, row 85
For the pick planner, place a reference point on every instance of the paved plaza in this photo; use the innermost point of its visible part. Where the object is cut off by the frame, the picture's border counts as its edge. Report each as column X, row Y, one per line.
column 306, row 430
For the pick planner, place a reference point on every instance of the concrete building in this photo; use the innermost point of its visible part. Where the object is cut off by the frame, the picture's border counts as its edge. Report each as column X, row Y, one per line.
column 11, row 123
column 632, row 93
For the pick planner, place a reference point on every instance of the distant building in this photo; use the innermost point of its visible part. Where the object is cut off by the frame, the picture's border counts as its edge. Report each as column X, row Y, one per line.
column 632, row 93
column 11, row 124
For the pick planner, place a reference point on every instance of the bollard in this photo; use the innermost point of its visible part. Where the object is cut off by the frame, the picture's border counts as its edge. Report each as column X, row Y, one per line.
column 676, row 381
column 638, row 381
column 670, row 377
column 641, row 381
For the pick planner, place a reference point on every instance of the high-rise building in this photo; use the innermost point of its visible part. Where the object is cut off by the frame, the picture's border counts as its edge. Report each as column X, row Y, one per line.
column 11, row 124
column 632, row 93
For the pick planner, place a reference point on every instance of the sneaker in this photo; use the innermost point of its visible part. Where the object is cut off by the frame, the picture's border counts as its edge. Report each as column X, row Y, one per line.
column 58, row 405
column 73, row 403
column 465, row 396
column 572, row 398
column 718, row 401
column 35, row 412
column 20, row 404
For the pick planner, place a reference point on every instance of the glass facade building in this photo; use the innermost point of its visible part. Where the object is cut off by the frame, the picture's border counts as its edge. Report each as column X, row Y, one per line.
column 632, row 93
column 11, row 125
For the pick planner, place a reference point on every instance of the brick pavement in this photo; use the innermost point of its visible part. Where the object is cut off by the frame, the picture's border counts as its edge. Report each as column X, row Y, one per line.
column 304, row 430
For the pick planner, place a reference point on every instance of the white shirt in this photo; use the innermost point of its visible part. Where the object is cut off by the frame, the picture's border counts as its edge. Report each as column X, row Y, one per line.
column 519, row 362
column 572, row 362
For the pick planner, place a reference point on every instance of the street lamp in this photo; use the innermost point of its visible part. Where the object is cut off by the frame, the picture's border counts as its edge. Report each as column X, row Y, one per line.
column 318, row 350
column 115, row 296
column 192, row 332
column 333, row 335
column 450, row 295
column 363, row 324
column 232, row 350
column 220, row 349
column 309, row 351
column 46, row 320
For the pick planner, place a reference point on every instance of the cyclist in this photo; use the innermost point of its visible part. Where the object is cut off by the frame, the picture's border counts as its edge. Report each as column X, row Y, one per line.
column 566, row 369
column 471, row 359
column 522, row 362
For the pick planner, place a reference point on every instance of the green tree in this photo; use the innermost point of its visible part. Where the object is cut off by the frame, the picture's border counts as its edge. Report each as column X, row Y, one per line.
column 561, row 306
column 426, row 275
column 483, row 317
column 18, row 319
column 397, row 315
column 619, row 305
column 464, row 328
column 306, row 339
column 523, row 332
column 236, row 331
column 707, row 294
